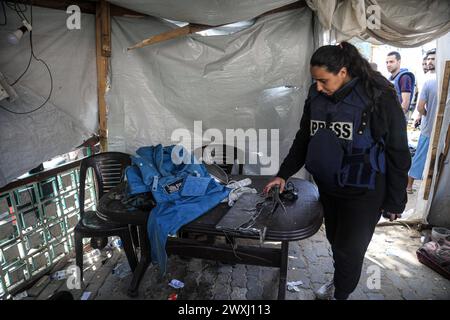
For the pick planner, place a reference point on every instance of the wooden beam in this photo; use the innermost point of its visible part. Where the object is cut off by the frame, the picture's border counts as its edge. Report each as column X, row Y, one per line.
column 437, row 129
column 85, row 6
column 192, row 28
column 103, row 52
column 106, row 28
column 175, row 33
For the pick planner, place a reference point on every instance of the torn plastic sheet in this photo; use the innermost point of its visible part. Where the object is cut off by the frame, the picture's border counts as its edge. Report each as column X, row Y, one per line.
column 254, row 79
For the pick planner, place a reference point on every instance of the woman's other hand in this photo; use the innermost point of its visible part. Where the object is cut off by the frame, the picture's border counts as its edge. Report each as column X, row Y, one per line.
column 391, row 216
column 277, row 181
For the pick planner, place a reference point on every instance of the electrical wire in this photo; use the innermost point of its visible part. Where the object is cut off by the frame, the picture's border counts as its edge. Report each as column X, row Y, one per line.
column 4, row 15
column 20, row 12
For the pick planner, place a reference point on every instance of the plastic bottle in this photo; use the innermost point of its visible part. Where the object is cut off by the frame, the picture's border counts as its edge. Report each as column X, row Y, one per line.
column 238, row 184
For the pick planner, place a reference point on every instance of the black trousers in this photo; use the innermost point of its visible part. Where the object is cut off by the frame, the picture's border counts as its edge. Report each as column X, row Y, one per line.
column 350, row 223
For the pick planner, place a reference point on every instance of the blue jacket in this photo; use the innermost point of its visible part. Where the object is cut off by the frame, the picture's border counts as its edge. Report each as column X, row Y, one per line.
column 182, row 188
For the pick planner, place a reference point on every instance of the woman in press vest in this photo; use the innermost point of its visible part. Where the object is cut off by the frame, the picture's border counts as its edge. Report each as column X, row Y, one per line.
column 352, row 139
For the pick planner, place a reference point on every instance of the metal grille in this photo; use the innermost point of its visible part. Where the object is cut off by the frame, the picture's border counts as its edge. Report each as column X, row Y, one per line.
column 36, row 226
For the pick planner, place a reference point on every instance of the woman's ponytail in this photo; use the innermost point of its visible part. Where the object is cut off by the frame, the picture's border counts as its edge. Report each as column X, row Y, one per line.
column 334, row 58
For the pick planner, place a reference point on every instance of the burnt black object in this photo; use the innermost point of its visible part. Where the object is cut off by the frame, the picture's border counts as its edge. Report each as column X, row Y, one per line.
column 39, row 168
column 290, row 192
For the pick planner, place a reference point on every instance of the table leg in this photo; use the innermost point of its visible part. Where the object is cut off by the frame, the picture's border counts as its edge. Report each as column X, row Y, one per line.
column 143, row 264
column 283, row 270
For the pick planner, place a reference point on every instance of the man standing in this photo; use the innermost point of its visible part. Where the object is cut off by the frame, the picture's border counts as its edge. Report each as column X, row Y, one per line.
column 402, row 79
column 416, row 115
column 427, row 110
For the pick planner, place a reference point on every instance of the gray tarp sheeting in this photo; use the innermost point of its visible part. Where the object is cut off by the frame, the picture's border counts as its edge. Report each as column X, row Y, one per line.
column 255, row 78
column 71, row 114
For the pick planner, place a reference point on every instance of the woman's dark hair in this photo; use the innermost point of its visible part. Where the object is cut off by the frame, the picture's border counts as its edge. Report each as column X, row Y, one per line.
column 334, row 58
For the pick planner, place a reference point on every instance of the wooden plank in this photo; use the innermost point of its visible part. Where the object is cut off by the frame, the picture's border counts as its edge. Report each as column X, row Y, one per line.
column 192, row 28
column 103, row 51
column 175, row 33
column 437, row 130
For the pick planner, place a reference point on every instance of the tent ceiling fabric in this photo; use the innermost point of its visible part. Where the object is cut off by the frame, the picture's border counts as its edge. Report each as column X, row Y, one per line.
column 70, row 116
column 404, row 23
column 207, row 12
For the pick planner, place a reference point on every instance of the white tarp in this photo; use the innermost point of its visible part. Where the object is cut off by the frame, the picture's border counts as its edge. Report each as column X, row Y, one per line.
column 439, row 213
column 255, row 78
column 70, row 116
column 207, row 12
column 402, row 23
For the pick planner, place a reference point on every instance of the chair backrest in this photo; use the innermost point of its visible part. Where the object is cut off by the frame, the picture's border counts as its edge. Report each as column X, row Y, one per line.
column 108, row 169
column 225, row 156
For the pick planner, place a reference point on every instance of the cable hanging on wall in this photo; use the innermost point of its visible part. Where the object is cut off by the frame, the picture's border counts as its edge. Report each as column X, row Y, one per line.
column 20, row 12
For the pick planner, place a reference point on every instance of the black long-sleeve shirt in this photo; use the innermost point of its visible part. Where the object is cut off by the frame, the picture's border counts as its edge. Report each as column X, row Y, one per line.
column 387, row 121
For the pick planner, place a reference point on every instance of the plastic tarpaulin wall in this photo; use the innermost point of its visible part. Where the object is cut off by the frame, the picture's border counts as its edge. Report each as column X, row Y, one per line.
column 439, row 213
column 207, row 12
column 255, row 78
column 71, row 113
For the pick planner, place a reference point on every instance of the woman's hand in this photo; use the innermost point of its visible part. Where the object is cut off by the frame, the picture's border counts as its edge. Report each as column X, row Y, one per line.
column 391, row 216
column 277, row 181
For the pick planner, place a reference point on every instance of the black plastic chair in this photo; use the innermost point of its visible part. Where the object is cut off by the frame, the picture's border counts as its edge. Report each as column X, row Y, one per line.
column 109, row 171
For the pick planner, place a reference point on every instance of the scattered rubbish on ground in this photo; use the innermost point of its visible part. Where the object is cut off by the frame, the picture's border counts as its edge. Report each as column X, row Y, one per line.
column 391, row 251
column 121, row 270
column 177, row 284
column 59, row 275
column 172, row 296
column 293, row 285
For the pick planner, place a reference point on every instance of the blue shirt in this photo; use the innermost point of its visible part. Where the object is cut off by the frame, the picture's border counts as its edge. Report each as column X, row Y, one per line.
column 429, row 95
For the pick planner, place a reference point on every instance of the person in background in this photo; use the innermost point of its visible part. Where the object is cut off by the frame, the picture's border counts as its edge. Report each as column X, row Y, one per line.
column 352, row 139
column 416, row 115
column 424, row 65
column 427, row 109
column 402, row 79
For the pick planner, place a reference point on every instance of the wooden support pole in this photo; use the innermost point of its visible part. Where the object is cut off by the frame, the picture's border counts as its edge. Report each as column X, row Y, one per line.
column 437, row 129
column 103, row 52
